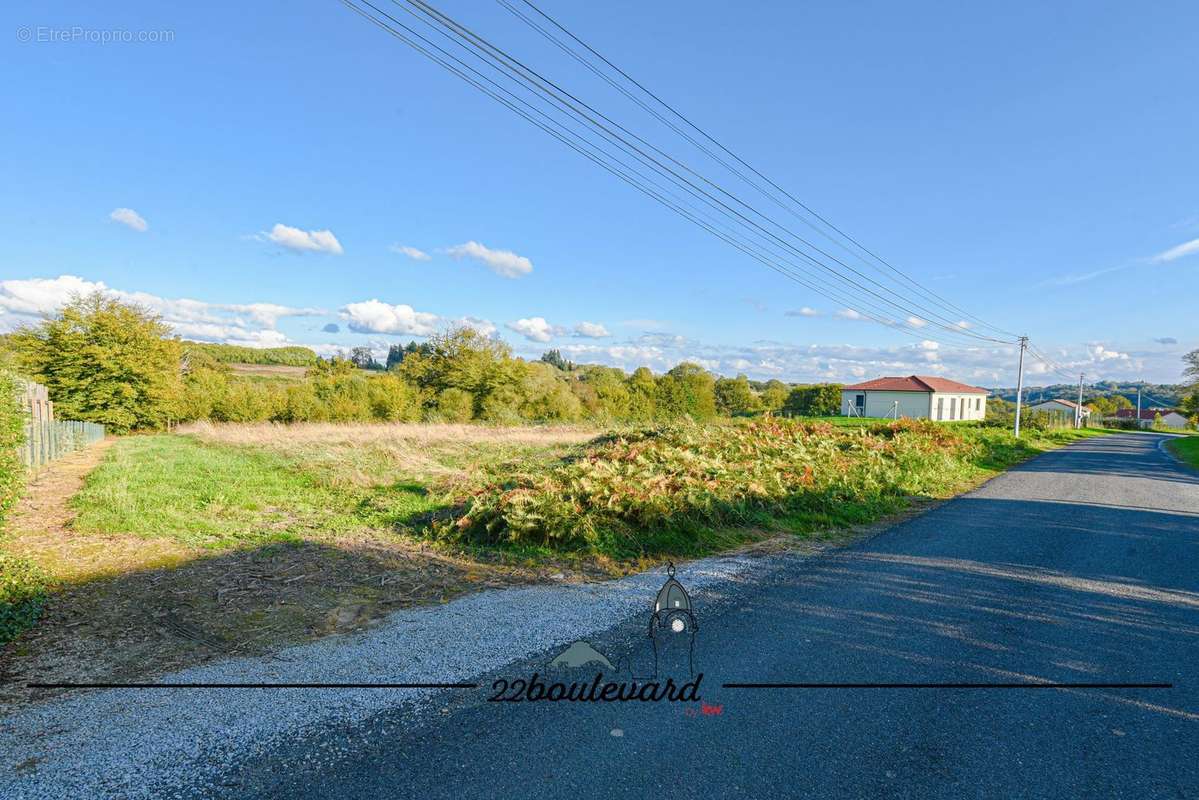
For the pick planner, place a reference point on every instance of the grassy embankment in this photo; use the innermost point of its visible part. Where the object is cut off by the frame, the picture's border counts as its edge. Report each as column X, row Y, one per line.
column 677, row 490
column 1186, row 449
column 236, row 538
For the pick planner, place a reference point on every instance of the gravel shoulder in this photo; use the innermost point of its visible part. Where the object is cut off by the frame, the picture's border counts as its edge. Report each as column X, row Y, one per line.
column 150, row 743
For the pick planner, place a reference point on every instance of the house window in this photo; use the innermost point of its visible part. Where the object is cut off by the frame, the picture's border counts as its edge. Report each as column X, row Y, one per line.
column 859, row 400
column 978, row 404
column 953, row 408
column 940, row 408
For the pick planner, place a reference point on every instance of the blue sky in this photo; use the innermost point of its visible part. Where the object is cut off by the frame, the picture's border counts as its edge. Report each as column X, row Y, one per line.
column 1037, row 165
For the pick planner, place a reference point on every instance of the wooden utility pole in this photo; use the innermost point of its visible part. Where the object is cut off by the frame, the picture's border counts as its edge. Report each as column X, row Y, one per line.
column 1078, row 410
column 1020, row 382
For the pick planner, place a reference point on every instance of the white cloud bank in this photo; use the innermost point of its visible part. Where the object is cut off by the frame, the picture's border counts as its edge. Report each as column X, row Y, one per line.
column 252, row 324
column 255, row 324
column 501, row 262
column 129, row 218
column 301, row 241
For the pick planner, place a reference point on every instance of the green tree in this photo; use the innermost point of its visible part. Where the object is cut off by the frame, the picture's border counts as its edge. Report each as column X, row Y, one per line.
column 1108, row 406
column 363, row 358
column 774, row 396
column 104, row 361
column 1191, row 371
column 547, row 397
column 555, row 358
column 643, row 390
column 455, row 405
column 463, row 358
column 735, row 397
column 392, row 399
column 609, row 393
column 817, row 400
column 688, row 390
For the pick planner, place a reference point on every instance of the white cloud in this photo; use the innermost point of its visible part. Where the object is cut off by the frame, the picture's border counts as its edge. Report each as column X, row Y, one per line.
column 411, row 252
column 252, row 324
column 535, row 329
column 917, row 322
column 304, row 241
column 849, row 313
column 129, row 217
column 803, row 312
column 483, row 326
column 1100, row 353
column 374, row 316
column 35, row 297
column 591, row 330
column 1184, row 249
column 501, row 262
column 963, row 324
column 989, row 365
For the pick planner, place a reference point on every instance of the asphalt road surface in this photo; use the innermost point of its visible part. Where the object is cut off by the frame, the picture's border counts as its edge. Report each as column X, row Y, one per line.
column 1080, row 567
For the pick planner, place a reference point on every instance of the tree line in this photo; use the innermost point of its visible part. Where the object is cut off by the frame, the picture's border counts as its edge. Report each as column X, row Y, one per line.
column 117, row 364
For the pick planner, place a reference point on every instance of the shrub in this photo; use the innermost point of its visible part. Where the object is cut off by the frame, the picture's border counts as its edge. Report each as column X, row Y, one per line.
column 818, row 400
column 641, row 491
column 237, row 354
column 12, row 473
column 455, row 405
column 23, row 590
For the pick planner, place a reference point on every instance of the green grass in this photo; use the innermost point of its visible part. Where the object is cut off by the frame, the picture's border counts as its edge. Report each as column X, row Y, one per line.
column 215, row 496
column 23, row 592
column 1186, row 449
column 673, row 490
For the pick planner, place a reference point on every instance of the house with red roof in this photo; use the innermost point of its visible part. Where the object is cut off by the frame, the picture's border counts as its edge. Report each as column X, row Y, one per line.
column 1171, row 418
column 916, row 396
column 1062, row 407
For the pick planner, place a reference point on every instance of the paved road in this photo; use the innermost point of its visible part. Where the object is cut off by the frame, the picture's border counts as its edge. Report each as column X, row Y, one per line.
column 1082, row 566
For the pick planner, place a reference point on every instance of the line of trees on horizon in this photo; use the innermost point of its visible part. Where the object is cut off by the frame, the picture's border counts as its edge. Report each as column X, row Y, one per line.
column 111, row 362
column 115, row 363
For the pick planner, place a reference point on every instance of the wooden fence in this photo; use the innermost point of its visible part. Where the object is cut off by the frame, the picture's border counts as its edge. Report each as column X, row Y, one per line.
column 45, row 437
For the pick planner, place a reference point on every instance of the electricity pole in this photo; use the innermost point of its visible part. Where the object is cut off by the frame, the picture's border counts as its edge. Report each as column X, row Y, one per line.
column 1078, row 410
column 1020, row 382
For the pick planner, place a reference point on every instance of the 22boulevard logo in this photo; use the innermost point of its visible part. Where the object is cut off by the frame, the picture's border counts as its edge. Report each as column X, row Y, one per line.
column 672, row 628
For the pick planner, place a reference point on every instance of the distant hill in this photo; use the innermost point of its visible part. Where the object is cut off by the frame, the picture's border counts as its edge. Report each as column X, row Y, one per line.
column 1169, row 394
column 236, row 354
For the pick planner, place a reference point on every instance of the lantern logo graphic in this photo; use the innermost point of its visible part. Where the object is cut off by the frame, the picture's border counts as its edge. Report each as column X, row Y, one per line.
column 673, row 618
column 672, row 629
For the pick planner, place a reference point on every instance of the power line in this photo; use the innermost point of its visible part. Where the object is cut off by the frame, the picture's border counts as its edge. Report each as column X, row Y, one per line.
column 677, row 114
column 566, row 103
column 642, row 186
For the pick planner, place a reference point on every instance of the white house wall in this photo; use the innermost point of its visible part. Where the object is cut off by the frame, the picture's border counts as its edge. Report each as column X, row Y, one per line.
column 883, row 404
column 919, row 405
column 963, row 406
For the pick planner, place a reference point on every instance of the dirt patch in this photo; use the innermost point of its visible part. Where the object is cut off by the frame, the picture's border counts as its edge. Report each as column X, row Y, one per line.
column 45, row 504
